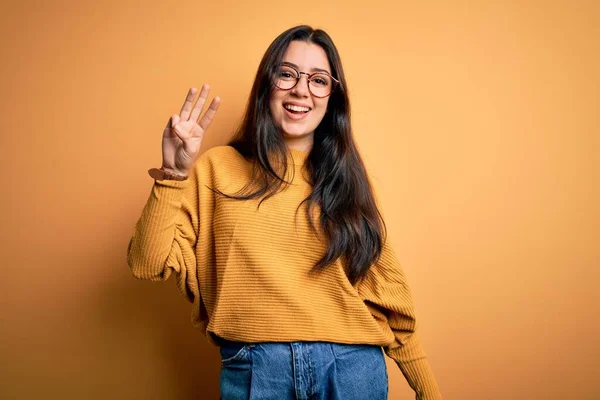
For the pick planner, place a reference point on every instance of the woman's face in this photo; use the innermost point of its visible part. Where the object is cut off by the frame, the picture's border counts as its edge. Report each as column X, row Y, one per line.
column 298, row 125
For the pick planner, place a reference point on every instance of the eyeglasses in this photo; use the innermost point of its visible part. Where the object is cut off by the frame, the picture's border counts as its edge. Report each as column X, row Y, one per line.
column 320, row 84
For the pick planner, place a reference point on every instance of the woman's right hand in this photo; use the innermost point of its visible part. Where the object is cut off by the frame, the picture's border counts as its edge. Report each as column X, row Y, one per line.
column 183, row 134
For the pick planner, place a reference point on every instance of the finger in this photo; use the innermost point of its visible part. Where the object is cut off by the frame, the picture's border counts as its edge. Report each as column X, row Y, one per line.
column 200, row 103
column 179, row 129
column 186, row 109
column 168, row 132
column 210, row 113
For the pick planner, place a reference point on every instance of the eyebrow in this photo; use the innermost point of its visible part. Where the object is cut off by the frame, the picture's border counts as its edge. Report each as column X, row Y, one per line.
column 312, row 70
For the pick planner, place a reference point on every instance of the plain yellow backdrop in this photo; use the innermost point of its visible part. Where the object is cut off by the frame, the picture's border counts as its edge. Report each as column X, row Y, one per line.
column 478, row 121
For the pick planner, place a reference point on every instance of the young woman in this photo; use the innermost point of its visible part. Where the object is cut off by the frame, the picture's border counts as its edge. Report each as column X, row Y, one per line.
column 277, row 241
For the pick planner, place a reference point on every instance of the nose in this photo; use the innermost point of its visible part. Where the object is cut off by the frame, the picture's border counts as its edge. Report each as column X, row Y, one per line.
column 301, row 88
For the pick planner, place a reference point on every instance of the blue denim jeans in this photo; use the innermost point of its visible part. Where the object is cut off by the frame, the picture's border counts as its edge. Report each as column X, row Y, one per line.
column 302, row 371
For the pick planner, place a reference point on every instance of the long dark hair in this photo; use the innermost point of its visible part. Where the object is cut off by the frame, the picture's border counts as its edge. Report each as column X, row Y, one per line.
column 349, row 217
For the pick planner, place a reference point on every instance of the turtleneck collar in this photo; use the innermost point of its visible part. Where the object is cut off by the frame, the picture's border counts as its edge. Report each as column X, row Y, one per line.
column 299, row 156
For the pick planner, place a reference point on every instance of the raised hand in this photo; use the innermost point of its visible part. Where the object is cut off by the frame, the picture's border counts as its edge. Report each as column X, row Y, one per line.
column 183, row 134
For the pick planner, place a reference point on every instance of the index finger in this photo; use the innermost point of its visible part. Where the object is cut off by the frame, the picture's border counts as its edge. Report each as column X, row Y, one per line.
column 200, row 103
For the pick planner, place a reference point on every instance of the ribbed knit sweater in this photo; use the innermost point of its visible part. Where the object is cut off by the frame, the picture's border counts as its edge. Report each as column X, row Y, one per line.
column 246, row 269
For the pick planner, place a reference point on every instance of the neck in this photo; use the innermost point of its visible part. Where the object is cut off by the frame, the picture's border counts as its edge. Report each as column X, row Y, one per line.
column 303, row 143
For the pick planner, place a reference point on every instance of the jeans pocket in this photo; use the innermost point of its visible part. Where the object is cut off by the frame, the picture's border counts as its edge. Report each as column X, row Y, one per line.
column 231, row 353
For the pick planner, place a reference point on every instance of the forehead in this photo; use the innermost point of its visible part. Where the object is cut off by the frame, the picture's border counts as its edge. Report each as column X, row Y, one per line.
column 307, row 56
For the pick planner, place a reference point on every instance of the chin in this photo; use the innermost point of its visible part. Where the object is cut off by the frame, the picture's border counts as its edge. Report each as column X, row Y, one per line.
column 295, row 131
column 296, row 134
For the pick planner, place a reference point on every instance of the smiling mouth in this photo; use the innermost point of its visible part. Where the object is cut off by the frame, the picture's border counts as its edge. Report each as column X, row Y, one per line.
column 296, row 109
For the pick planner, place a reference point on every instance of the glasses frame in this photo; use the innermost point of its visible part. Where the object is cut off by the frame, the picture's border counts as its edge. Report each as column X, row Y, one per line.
column 309, row 76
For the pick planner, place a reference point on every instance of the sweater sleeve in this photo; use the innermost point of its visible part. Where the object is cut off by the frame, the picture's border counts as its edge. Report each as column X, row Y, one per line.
column 386, row 293
column 164, row 237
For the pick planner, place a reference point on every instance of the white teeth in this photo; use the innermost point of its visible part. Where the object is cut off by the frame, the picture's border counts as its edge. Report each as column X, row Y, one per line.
column 296, row 108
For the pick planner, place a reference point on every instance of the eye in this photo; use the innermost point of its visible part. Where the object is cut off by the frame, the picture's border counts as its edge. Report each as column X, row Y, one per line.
column 286, row 73
column 321, row 80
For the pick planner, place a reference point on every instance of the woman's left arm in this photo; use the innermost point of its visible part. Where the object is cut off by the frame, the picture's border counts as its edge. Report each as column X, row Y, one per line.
column 385, row 291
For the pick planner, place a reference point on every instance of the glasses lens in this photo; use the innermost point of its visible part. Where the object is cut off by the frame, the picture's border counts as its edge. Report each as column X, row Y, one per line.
column 321, row 84
column 285, row 77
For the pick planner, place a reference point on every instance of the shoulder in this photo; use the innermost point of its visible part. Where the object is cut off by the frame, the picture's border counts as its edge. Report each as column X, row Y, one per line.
column 221, row 163
column 220, row 155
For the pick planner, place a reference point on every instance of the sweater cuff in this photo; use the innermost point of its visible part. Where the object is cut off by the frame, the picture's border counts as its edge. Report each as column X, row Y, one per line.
column 412, row 361
column 172, row 183
column 420, row 377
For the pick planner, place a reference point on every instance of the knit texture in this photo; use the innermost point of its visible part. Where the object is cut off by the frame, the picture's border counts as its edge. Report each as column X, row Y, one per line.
column 246, row 269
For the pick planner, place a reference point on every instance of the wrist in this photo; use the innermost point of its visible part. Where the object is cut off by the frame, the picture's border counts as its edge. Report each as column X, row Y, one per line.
column 167, row 174
column 174, row 171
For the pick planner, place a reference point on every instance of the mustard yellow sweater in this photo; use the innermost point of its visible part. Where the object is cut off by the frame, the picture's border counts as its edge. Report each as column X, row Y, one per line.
column 246, row 269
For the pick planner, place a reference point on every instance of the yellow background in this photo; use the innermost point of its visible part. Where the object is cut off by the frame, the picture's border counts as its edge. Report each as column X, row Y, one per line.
column 477, row 120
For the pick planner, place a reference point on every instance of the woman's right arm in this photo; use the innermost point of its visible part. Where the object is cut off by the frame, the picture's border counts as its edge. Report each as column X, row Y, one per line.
column 165, row 235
